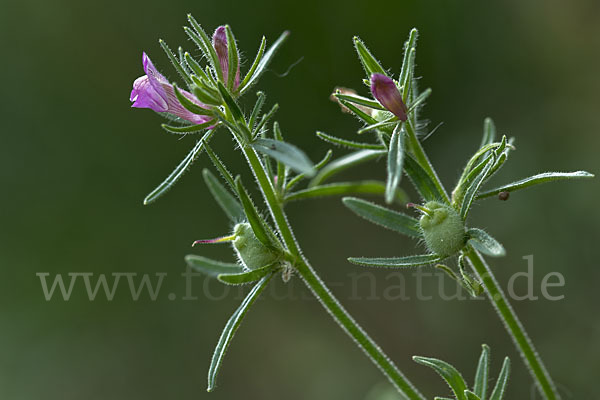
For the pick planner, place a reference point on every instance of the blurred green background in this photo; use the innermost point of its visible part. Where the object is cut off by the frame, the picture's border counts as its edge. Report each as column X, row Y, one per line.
column 76, row 162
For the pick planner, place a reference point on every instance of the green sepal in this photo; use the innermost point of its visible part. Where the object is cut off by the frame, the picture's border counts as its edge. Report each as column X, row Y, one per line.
column 534, row 180
column 489, row 132
column 178, row 66
column 485, row 243
column 230, row 329
column 343, row 163
column 194, row 66
column 190, row 105
column 231, row 104
column 233, row 57
column 362, row 101
column 264, row 119
column 421, row 180
column 204, row 43
column 471, row 396
column 385, row 217
column 472, row 285
column 179, row 170
column 210, row 267
column 182, row 130
column 259, row 55
column 349, row 143
column 500, row 387
column 368, row 119
column 482, row 374
column 263, row 63
column 395, row 162
column 257, row 223
column 286, row 153
column 220, row 166
column 386, row 123
column 396, row 262
column 369, row 63
column 452, row 377
column 245, row 277
column 408, row 62
column 344, row 188
column 260, row 101
column 224, row 198
column 204, row 93
column 474, row 186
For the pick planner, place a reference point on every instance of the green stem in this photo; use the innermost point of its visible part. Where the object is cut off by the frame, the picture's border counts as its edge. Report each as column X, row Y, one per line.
column 514, row 327
column 422, row 159
column 317, row 286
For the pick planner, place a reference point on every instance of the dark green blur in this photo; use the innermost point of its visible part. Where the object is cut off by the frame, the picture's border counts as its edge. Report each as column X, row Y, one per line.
column 76, row 162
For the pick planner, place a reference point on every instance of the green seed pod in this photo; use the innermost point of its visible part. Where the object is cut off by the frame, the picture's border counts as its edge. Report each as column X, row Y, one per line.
column 250, row 251
column 443, row 229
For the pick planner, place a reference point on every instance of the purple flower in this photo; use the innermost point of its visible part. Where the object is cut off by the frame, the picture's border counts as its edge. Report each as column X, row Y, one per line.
column 221, row 46
column 154, row 91
column 387, row 94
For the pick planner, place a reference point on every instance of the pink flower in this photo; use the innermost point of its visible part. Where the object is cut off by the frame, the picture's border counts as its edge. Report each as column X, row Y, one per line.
column 221, row 46
column 154, row 91
column 387, row 94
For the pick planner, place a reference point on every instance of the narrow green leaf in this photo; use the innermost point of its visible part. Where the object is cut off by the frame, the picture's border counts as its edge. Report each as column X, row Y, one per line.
column 489, row 132
column 220, row 166
column 288, row 154
column 190, row 105
column 396, row 262
column 179, row 170
column 344, row 163
column 482, row 373
column 378, row 125
column 255, row 220
column 203, row 93
column 264, row 119
column 484, row 243
column 363, row 101
column 474, row 186
column 259, row 55
column 233, row 107
column 210, row 267
column 226, row 201
column 365, row 117
column 471, row 396
column 395, row 162
column 406, row 81
column 421, row 180
column 178, row 130
column 500, row 387
column 260, row 101
column 535, row 180
column 194, row 66
column 233, row 57
column 205, row 44
column 385, row 217
column 174, row 61
column 343, row 188
column 452, row 377
column 419, row 100
column 407, row 67
column 349, row 143
column 242, row 278
column 264, row 62
column 290, row 185
column 230, row 329
column 369, row 63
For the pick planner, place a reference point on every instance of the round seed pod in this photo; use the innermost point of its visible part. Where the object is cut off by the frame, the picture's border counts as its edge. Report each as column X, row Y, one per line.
column 443, row 229
column 251, row 252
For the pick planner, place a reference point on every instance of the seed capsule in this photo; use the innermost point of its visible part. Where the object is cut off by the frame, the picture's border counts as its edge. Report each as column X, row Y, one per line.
column 443, row 229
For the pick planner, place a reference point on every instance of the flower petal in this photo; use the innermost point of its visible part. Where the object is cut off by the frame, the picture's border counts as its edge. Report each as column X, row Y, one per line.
column 387, row 94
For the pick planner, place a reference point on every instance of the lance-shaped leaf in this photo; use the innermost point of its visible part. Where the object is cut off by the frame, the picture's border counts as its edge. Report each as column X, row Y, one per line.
column 360, row 100
column 286, row 153
column 257, row 223
column 395, row 162
column 183, row 130
column 257, row 59
column 489, row 132
column 396, row 262
column 236, row 112
column 230, row 328
column 220, row 167
column 408, row 62
column 190, row 105
column 201, row 39
column 500, row 387
column 290, row 185
column 210, row 267
column 244, row 277
column 343, row 163
column 349, row 143
column 179, row 170
column 343, row 188
column 484, row 243
column 257, row 71
column 474, row 186
column 471, row 396
column 178, row 65
column 369, row 63
column 452, row 377
column 385, row 217
column 421, row 180
column 482, row 373
column 224, row 198
column 535, row 180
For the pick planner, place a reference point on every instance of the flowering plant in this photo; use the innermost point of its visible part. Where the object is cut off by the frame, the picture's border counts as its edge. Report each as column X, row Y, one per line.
column 266, row 246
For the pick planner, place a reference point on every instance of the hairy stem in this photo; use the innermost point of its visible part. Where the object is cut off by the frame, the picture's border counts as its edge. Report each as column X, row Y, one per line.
column 514, row 327
column 314, row 282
